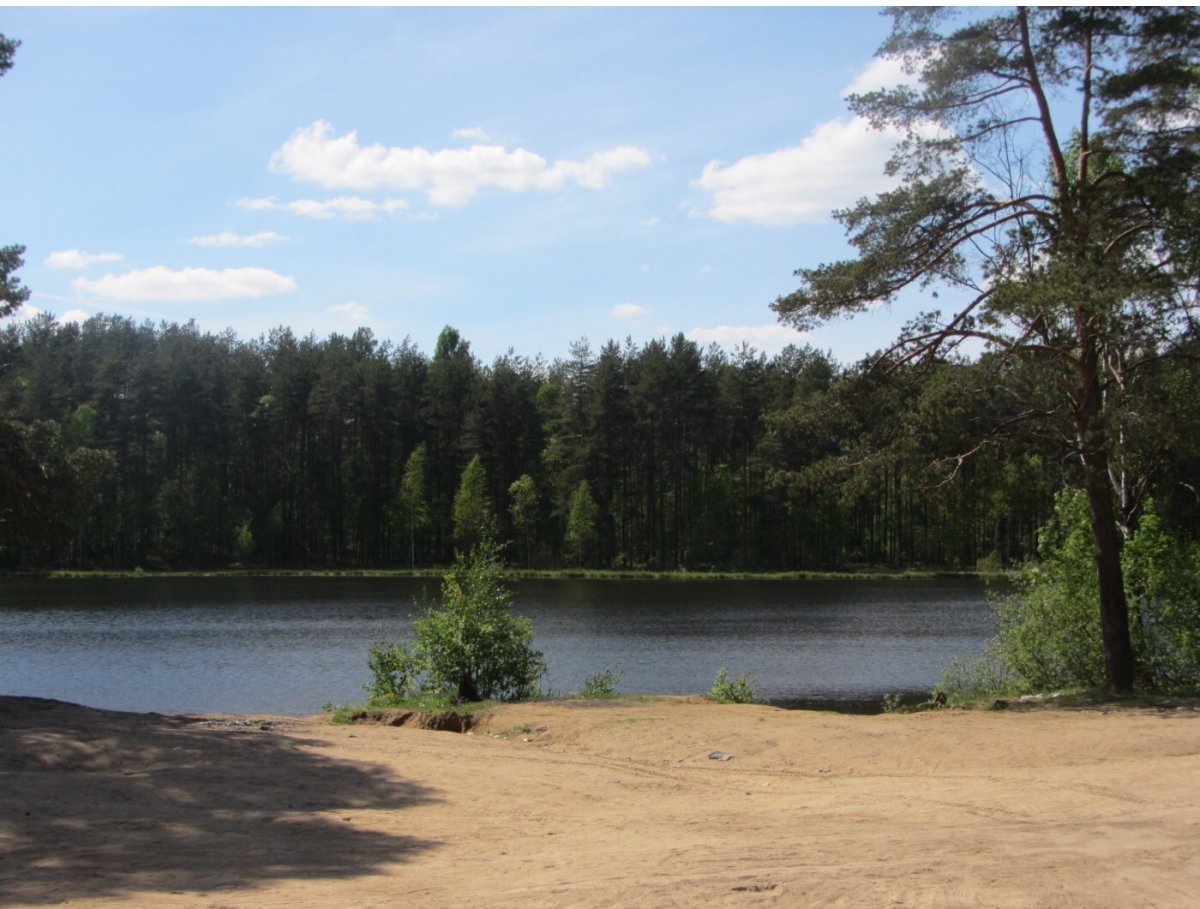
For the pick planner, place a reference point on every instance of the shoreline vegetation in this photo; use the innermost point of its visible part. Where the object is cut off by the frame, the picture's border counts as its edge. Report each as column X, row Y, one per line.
column 523, row 574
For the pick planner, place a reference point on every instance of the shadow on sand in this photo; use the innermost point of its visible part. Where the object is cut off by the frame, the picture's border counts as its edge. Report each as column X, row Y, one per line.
column 97, row 804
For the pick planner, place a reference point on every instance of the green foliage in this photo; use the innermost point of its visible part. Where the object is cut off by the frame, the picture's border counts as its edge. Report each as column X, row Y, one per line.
column 46, row 493
column 12, row 292
column 394, row 672
column 729, row 690
column 891, row 702
column 470, row 647
column 474, row 522
column 1072, row 265
column 1162, row 581
column 581, row 535
column 1050, row 631
column 738, row 464
column 80, row 431
column 603, row 685
column 243, row 542
column 414, row 507
column 8, row 47
column 971, row 678
column 524, row 510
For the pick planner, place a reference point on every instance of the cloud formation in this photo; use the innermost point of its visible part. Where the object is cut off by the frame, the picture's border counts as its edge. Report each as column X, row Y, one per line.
column 626, row 311
column 77, row 316
column 227, row 239
column 449, row 176
column 835, row 165
column 349, row 208
column 77, row 258
column 474, row 133
column 186, row 285
column 882, row 72
column 770, row 338
column 352, row 311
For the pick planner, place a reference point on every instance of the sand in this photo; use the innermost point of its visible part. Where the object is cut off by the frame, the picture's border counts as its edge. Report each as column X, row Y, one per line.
column 601, row 804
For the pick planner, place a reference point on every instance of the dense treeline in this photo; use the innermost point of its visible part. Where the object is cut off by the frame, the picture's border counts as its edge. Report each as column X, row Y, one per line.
column 130, row 445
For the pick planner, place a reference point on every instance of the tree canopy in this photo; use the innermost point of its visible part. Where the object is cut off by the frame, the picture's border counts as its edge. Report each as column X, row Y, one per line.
column 12, row 292
column 1047, row 178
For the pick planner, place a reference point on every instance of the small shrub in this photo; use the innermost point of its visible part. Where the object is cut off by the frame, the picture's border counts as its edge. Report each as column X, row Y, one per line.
column 892, row 702
column 469, row 648
column 393, row 671
column 729, row 690
column 991, row 563
column 472, row 643
column 604, row 685
column 974, row 677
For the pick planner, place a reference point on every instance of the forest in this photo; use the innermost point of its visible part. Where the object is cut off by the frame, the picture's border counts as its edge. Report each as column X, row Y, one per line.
column 1045, row 178
column 164, row 447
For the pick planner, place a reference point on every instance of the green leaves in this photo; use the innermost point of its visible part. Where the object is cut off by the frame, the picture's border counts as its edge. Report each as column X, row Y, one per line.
column 1072, row 252
column 12, row 292
column 1050, row 631
column 472, row 643
column 474, row 522
column 470, row 647
column 582, row 535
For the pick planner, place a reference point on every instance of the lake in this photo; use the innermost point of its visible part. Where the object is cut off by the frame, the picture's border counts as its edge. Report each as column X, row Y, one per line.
column 291, row 645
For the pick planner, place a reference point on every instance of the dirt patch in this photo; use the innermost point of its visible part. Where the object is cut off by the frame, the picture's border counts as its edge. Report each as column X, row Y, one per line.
column 620, row 804
column 417, row 719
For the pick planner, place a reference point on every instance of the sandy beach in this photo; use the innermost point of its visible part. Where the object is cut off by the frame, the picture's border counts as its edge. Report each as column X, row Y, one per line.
column 675, row 802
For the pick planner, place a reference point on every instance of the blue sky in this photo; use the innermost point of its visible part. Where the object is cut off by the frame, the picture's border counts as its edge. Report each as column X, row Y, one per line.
column 530, row 176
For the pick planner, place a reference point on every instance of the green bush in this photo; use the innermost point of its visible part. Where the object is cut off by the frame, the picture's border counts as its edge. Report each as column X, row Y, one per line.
column 976, row 676
column 470, row 647
column 1049, row 635
column 729, row 690
column 1050, row 628
column 1162, row 583
column 393, row 672
column 604, row 685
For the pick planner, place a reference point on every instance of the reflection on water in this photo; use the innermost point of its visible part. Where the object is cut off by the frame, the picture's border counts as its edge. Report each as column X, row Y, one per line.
column 290, row 645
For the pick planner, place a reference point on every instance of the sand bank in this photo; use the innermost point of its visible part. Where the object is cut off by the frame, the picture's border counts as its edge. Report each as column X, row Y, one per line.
column 601, row 804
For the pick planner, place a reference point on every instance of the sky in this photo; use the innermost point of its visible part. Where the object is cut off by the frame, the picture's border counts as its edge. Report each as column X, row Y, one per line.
column 529, row 176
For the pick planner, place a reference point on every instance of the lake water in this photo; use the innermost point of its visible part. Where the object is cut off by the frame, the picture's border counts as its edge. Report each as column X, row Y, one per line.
column 291, row 645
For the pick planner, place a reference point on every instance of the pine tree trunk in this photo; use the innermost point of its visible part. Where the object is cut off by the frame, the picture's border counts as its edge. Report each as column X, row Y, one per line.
column 1093, row 450
column 1114, row 610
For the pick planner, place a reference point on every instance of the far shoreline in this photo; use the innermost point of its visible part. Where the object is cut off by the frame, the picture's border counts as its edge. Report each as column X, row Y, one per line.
column 517, row 574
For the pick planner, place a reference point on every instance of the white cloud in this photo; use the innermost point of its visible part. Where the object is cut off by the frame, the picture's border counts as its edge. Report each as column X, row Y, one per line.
column 262, row 238
column 26, row 313
column 448, row 177
column 350, row 208
column 625, row 311
column 77, row 258
column 474, row 133
column 882, row 72
column 78, row 316
column 186, row 284
column 353, row 312
column 835, row 165
column 770, row 338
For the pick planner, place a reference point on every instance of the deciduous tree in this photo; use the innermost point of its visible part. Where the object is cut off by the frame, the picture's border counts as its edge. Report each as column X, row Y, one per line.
column 474, row 519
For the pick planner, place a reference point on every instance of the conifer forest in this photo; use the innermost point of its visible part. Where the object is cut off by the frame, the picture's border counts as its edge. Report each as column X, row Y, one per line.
column 163, row 447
